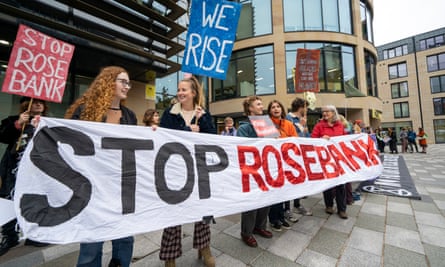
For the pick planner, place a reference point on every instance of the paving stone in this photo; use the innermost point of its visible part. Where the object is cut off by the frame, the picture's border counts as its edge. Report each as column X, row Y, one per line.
column 371, row 222
column 403, row 200
column 373, row 208
column 311, row 258
column 432, row 189
column 366, row 240
column 440, row 204
column 403, row 238
column 290, row 245
column 328, row 242
column 338, row 224
column 236, row 248
column 377, row 199
column 438, row 196
column 226, row 260
column 432, row 219
column 401, row 220
column 309, row 225
column 267, row 259
column 354, row 209
column 432, row 235
column 435, row 255
column 356, row 257
column 400, row 208
column 424, row 206
column 394, row 256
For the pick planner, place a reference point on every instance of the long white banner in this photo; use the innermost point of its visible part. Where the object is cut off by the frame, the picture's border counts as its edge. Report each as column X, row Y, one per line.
column 83, row 181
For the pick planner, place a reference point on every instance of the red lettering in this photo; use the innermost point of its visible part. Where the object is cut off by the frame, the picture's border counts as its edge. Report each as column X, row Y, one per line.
column 326, row 163
column 279, row 181
column 358, row 153
column 339, row 157
column 285, row 149
column 308, row 161
column 373, row 154
column 248, row 170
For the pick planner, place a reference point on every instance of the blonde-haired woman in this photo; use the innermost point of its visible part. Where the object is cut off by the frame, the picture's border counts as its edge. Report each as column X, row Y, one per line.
column 104, row 102
column 187, row 114
column 329, row 126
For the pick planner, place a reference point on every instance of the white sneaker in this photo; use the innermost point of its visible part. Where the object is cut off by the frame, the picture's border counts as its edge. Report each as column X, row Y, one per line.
column 303, row 211
column 289, row 217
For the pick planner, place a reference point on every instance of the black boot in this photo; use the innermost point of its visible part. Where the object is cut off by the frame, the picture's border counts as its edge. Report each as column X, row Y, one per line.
column 114, row 263
column 10, row 238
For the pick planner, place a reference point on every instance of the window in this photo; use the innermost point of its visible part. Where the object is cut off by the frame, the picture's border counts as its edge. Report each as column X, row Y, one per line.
column 371, row 77
column 395, row 52
column 250, row 72
column 397, row 71
column 439, row 106
column 255, row 19
column 439, row 131
column 437, row 84
column 366, row 21
column 432, row 42
column 436, row 62
column 317, row 15
column 401, row 110
column 337, row 65
column 399, row 90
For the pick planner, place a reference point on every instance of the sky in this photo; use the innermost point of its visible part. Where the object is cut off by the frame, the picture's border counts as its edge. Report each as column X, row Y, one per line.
column 399, row 19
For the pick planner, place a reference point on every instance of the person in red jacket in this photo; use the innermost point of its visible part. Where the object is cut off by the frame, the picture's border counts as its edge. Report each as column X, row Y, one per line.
column 329, row 126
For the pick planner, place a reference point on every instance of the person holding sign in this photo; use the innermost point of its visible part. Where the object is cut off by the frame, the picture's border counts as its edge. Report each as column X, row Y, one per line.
column 297, row 116
column 276, row 112
column 329, row 126
column 103, row 102
column 14, row 128
column 188, row 114
column 253, row 221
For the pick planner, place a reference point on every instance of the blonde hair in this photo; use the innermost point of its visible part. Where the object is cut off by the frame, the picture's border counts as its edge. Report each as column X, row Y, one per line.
column 98, row 97
column 199, row 99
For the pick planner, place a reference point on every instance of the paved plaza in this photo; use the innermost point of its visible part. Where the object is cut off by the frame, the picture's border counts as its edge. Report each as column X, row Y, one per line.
column 381, row 231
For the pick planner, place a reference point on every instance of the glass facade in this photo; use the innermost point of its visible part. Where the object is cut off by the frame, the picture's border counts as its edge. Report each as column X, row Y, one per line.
column 255, row 19
column 337, row 65
column 366, row 21
column 251, row 72
column 317, row 15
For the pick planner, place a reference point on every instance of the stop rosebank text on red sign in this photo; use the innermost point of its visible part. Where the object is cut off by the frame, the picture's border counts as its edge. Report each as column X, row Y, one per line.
column 38, row 66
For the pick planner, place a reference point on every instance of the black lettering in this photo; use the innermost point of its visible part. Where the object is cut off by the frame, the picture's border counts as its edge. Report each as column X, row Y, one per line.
column 128, row 181
column 164, row 153
column 44, row 154
column 204, row 169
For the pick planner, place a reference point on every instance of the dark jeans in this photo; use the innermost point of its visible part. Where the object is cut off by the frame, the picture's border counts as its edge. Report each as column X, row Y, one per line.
column 90, row 254
column 339, row 193
column 276, row 213
column 410, row 145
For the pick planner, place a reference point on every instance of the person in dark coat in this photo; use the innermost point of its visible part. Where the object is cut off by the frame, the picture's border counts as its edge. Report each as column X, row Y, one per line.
column 187, row 114
column 10, row 134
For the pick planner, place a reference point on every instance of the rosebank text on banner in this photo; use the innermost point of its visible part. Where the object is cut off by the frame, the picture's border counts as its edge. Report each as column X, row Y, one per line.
column 84, row 181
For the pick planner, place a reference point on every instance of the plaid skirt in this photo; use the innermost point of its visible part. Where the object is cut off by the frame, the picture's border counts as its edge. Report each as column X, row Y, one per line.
column 171, row 247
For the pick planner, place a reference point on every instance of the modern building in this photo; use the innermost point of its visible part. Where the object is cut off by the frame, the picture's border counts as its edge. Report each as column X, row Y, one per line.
column 268, row 36
column 411, row 83
column 141, row 36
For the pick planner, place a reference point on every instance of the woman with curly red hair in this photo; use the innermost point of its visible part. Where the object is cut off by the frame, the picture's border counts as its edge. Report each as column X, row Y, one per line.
column 104, row 102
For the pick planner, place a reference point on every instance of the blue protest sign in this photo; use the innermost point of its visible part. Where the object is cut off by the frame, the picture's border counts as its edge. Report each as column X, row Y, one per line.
column 210, row 37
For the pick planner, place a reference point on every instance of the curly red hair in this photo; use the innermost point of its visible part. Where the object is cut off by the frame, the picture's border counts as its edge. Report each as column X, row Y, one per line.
column 98, row 97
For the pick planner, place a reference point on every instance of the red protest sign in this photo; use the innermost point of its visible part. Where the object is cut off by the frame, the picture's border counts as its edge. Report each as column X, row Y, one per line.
column 38, row 66
column 264, row 126
column 306, row 71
